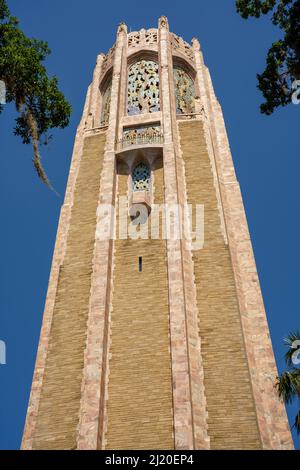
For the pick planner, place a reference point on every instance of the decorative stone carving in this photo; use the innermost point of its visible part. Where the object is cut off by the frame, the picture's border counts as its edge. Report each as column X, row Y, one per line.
column 108, row 60
column 133, row 39
column 196, row 43
column 151, row 36
column 142, row 135
column 144, row 37
column 122, row 27
column 163, row 22
column 143, row 88
column 184, row 92
column 106, row 99
column 141, row 176
column 181, row 46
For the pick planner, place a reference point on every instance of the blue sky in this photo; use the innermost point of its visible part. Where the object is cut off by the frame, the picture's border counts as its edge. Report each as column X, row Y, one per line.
column 265, row 152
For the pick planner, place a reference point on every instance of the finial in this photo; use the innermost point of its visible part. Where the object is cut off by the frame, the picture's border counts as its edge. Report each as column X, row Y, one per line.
column 100, row 57
column 163, row 22
column 196, row 43
column 122, row 28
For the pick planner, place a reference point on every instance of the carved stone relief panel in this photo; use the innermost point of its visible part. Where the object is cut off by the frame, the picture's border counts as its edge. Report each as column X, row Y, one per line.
column 144, row 37
column 108, row 60
column 106, row 99
column 143, row 88
column 151, row 36
column 184, row 92
column 142, row 135
column 179, row 45
column 134, row 39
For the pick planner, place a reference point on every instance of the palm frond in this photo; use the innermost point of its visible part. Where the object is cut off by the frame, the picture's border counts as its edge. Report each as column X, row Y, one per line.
column 288, row 385
column 297, row 423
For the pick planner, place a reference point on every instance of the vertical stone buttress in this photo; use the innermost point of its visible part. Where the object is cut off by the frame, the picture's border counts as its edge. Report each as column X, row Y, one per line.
column 190, row 426
column 139, row 389
column 53, row 412
column 270, row 413
column 58, row 257
column 91, row 428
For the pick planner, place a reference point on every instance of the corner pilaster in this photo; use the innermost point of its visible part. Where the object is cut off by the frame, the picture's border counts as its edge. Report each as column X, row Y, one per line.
column 92, row 412
column 189, row 410
column 57, row 261
column 270, row 412
column 95, row 101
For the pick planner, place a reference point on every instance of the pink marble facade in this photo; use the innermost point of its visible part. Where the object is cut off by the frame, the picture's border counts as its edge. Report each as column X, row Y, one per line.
column 189, row 400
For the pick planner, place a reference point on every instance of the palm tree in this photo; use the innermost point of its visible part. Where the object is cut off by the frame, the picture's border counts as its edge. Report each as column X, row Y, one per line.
column 288, row 383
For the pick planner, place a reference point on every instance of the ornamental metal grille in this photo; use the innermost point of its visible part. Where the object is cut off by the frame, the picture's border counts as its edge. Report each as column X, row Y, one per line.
column 141, row 177
column 143, row 88
column 184, row 92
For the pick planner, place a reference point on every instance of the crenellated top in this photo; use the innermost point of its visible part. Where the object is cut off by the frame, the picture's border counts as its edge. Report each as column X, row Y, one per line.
column 147, row 39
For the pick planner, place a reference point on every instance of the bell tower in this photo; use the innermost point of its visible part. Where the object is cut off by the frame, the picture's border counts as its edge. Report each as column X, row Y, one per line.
column 154, row 333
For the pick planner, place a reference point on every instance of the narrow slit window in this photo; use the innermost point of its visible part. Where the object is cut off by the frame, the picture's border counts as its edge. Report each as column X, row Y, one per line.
column 140, row 264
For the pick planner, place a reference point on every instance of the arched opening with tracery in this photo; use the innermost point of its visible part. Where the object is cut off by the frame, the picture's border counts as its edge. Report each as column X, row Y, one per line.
column 143, row 88
column 105, row 108
column 141, row 176
column 184, row 91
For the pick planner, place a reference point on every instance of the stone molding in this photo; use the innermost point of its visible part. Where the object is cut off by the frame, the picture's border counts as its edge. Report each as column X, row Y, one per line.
column 190, row 425
column 92, row 417
column 57, row 261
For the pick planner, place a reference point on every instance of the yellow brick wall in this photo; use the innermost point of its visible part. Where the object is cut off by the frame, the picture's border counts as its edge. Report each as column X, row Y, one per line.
column 139, row 404
column 60, row 397
column 231, row 416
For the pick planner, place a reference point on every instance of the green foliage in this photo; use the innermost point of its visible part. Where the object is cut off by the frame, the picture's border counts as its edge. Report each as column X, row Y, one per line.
column 40, row 104
column 297, row 422
column 288, row 383
column 254, row 7
column 283, row 58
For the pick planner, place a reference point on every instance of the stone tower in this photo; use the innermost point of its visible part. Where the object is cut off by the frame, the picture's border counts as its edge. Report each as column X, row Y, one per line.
column 153, row 342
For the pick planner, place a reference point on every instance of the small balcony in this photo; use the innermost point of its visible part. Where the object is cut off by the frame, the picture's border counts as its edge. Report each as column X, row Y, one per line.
column 130, row 141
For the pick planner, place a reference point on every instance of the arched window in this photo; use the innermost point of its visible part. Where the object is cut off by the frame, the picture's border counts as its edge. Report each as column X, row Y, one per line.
column 106, row 99
column 141, row 176
column 184, row 92
column 143, row 88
